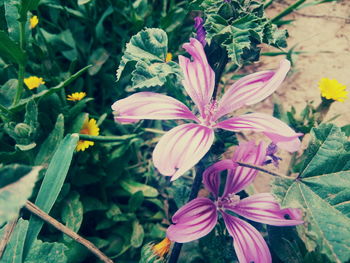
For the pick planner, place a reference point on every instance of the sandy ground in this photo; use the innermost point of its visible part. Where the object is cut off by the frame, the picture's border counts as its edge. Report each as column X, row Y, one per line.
column 323, row 32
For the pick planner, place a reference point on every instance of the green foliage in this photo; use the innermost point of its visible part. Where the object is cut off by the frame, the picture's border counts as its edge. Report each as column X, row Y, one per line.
column 10, row 50
column 47, row 252
column 322, row 189
column 148, row 50
column 240, row 26
column 16, row 185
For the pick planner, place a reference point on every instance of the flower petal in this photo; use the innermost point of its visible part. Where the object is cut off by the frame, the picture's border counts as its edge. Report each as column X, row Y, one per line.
column 211, row 176
column 279, row 132
column 263, row 208
column 181, row 148
column 199, row 78
column 247, row 241
column 252, row 89
column 239, row 178
column 150, row 105
column 193, row 221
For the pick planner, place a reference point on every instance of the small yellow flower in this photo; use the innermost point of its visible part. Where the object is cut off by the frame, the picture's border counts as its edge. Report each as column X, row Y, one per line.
column 162, row 247
column 33, row 21
column 76, row 96
column 331, row 89
column 168, row 57
column 33, row 82
column 90, row 128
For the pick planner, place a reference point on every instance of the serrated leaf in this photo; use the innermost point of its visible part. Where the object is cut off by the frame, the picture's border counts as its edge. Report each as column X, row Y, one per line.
column 47, row 252
column 51, row 185
column 16, row 185
column 72, row 213
column 14, row 248
column 133, row 187
column 148, row 49
column 322, row 189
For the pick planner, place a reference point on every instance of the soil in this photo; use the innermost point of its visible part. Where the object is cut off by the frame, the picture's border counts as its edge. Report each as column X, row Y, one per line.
column 323, row 33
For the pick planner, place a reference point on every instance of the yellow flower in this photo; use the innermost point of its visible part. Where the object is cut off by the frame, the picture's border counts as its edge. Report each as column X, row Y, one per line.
column 76, row 96
column 168, row 57
column 33, row 21
column 162, row 247
column 33, row 82
column 90, row 128
column 331, row 89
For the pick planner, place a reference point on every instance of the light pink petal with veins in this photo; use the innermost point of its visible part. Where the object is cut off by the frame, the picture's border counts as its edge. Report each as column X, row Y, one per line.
column 279, row 132
column 193, row 221
column 251, row 89
column 181, row 148
column 199, row 78
column 150, row 105
column 249, row 245
column 264, row 208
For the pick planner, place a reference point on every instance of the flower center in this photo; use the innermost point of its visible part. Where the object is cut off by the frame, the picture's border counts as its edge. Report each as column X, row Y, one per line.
column 209, row 112
column 230, row 200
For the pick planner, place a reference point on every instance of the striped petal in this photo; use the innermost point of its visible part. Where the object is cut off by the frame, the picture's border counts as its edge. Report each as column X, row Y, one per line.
column 150, row 105
column 211, row 176
column 252, row 89
column 239, row 178
column 181, row 148
column 193, row 221
column 279, row 132
column 247, row 241
column 199, row 78
column 263, row 208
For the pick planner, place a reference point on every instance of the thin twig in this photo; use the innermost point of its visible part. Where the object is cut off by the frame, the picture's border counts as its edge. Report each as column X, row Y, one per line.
column 264, row 170
column 10, row 226
column 38, row 212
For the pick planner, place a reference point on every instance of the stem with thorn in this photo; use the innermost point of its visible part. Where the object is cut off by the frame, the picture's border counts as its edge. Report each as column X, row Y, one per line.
column 86, row 243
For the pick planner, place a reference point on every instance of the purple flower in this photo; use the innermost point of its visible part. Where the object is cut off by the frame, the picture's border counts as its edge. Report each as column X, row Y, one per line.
column 198, row 217
column 198, row 25
column 270, row 153
column 185, row 145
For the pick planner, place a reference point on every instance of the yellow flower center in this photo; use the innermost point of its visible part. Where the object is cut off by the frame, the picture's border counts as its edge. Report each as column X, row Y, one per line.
column 162, row 247
column 33, row 21
column 168, row 57
column 33, row 82
column 331, row 89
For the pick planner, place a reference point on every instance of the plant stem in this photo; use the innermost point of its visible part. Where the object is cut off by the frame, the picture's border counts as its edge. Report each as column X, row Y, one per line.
column 287, row 11
column 105, row 138
column 262, row 169
column 10, row 226
column 175, row 252
column 38, row 212
column 21, row 66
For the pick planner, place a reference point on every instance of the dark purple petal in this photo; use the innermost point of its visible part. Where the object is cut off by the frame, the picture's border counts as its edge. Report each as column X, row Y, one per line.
column 263, row 208
column 239, row 178
column 198, row 25
column 211, row 176
column 193, row 221
column 247, row 241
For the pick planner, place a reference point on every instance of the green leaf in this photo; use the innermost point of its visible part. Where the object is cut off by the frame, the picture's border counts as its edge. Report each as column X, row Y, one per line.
column 47, row 252
column 11, row 15
column 346, row 130
column 72, row 213
column 50, row 145
column 16, row 185
column 133, row 187
column 148, row 49
column 322, row 190
column 135, row 201
column 7, row 92
column 137, row 234
column 14, row 248
column 51, row 185
column 10, row 50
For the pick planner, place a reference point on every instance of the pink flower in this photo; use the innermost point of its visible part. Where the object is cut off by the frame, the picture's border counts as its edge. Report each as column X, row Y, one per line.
column 198, row 217
column 184, row 146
